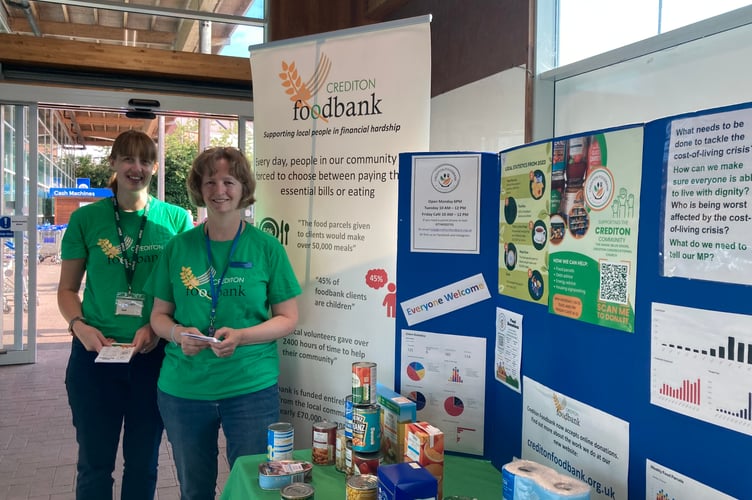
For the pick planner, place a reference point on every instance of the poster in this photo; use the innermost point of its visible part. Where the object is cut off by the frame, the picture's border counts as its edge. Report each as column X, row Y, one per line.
column 445, row 204
column 707, row 221
column 332, row 114
column 663, row 483
column 446, row 376
column 575, row 439
column 508, row 350
column 593, row 236
column 524, row 225
column 701, row 365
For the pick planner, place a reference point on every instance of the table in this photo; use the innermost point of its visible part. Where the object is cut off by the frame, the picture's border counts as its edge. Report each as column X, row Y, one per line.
column 466, row 476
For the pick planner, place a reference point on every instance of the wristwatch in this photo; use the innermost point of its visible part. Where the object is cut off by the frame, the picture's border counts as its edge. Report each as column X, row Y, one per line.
column 73, row 322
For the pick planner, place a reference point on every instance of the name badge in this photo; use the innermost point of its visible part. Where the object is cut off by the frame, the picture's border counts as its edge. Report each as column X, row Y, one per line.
column 129, row 304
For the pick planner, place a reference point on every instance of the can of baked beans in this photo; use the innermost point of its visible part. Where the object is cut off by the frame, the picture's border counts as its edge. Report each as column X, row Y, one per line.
column 362, row 487
column 348, row 416
column 324, row 442
column 280, row 441
column 366, row 463
column 340, row 451
column 364, row 382
column 297, row 491
column 366, row 428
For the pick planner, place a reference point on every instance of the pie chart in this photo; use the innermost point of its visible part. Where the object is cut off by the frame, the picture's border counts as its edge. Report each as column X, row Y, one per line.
column 454, row 406
column 419, row 398
column 416, row 371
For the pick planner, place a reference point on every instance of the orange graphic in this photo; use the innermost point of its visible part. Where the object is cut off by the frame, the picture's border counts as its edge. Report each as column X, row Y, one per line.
column 304, row 91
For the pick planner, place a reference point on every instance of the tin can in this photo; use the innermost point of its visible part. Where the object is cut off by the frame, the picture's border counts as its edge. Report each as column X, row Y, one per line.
column 280, row 439
column 297, row 491
column 340, row 450
column 348, row 457
column 348, row 416
column 366, row 428
column 363, row 382
column 324, row 442
column 362, row 488
column 366, row 463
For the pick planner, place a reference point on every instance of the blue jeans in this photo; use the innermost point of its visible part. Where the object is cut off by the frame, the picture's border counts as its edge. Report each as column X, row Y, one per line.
column 106, row 398
column 193, row 430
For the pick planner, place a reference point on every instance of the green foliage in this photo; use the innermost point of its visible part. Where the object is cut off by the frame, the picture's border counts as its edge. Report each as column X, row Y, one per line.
column 98, row 173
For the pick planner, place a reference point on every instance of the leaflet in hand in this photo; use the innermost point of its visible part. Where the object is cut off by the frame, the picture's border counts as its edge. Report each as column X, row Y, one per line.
column 115, row 353
column 212, row 340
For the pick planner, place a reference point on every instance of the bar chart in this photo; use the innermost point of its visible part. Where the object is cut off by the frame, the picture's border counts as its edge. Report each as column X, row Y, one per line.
column 701, row 365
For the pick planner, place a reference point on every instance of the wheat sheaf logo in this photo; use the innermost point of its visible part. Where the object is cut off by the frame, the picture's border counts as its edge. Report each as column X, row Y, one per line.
column 191, row 282
column 301, row 92
column 111, row 251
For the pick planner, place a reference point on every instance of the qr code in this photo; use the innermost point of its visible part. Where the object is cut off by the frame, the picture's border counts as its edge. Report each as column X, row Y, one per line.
column 614, row 282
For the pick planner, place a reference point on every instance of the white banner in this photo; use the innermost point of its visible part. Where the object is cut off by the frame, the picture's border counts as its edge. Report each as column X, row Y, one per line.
column 332, row 113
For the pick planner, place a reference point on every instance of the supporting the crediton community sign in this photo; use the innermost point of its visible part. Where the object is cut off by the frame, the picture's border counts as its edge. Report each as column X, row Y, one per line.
column 332, row 112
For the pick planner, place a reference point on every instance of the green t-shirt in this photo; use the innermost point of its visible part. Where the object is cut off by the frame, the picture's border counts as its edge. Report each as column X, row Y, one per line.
column 92, row 235
column 258, row 275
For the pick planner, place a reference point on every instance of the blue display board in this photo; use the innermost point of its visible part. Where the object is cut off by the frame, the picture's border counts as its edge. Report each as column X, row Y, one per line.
column 690, row 326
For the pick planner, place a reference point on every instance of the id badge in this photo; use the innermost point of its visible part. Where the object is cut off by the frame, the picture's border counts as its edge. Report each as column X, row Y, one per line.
column 129, row 304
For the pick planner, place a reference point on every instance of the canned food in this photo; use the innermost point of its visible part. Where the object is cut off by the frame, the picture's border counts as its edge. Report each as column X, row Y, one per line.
column 362, row 488
column 366, row 463
column 339, row 451
column 280, row 440
column 363, row 382
column 297, row 491
column 348, row 457
column 366, row 428
column 348, row 416
column 324, row 441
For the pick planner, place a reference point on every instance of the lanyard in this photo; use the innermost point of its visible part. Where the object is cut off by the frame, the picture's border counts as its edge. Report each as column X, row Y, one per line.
column 130, row 264
column 216, row 289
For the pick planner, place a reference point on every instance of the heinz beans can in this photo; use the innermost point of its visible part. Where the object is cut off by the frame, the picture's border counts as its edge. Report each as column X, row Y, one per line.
column 363, row 382
column 280, row 440
column 366, row 428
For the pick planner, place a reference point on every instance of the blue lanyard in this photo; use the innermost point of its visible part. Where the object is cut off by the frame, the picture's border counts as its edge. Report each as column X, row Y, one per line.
column 216, row 289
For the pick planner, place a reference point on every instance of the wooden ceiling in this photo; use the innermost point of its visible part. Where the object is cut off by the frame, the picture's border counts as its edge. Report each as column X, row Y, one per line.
column 39, row 22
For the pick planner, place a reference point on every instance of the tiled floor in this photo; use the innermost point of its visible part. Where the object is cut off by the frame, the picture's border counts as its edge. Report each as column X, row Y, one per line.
column 37, row 440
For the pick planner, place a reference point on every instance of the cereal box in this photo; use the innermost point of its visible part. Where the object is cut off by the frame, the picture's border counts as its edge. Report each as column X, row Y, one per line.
column 424, row 444
column 406, row 481
column 396, row 410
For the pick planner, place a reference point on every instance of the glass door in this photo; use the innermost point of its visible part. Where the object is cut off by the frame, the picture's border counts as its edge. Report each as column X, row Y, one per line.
column 18, row 232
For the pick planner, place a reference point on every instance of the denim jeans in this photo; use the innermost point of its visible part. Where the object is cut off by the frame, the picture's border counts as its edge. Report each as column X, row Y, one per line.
column 106, row 398
column 193, row 431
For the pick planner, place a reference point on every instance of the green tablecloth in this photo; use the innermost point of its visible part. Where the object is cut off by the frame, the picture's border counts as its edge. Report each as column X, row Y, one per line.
column 470, row 477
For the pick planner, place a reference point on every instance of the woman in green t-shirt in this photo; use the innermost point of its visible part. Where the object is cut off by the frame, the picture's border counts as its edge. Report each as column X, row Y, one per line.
column 224, row 293
column 115, row 242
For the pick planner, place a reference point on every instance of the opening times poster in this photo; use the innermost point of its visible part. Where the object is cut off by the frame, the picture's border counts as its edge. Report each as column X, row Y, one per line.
column 523, row 229
column 593, row 231
column 707, row 221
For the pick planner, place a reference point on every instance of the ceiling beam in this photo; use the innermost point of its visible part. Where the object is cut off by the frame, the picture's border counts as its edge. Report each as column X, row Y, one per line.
column 92, row 32
column 117, row 60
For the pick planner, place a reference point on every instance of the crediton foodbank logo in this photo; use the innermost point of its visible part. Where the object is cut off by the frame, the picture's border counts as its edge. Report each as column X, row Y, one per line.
column 302, row 94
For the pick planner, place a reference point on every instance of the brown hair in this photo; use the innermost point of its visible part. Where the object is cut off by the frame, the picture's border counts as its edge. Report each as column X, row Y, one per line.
column 240, row 168
column 132, row 143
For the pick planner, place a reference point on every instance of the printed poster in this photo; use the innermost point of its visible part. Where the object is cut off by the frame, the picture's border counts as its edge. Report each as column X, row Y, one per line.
column 332, row 115
column 663, row 483
column 576, row 439
column 446, row 376
column 508, row 348
column 593, row 242
column 524, row 226
column 706, row 233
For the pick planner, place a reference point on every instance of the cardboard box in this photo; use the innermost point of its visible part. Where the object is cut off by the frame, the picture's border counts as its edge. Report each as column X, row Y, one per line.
column 396, row 410
column 406, row 481
column 424, row 444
